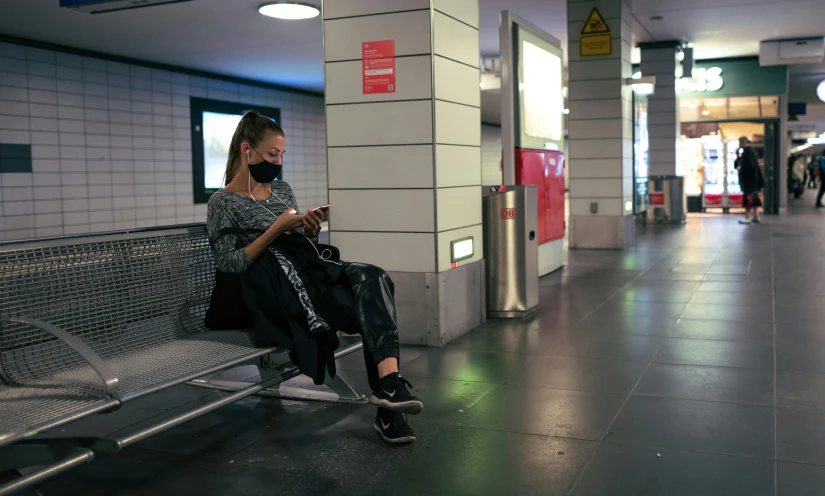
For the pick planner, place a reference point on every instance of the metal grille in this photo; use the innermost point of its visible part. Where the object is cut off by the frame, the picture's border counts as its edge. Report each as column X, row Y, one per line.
column 22, row 410
column 119, row 295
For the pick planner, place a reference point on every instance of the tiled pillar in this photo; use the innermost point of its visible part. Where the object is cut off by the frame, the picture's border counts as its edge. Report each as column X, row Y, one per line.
column 600, row 131
column 405, row 166
column 661, row 60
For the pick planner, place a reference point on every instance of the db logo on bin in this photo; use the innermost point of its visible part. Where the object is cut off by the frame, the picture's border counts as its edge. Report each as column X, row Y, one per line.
column 508, row 213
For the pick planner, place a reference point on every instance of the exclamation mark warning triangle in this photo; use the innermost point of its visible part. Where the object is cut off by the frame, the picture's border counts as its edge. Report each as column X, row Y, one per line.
column 595, row 23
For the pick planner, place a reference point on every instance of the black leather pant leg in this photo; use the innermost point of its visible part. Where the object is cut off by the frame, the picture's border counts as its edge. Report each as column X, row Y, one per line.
column 373, row 292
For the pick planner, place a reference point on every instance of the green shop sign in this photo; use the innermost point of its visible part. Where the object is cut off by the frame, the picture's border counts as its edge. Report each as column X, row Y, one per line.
column 732, row 77
column 735, row 77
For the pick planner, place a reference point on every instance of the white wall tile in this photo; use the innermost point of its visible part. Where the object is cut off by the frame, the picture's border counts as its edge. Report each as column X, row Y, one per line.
column 345, row 81
column 78, row 117
column 400, row 210
column 456, row 82
column 378, row 124
column 395, row 252
column 458, row 166
column 410, row 30
column 381, row 167
column 457, row 124
column 350, row 8
column 458, row 207
column 455, row 40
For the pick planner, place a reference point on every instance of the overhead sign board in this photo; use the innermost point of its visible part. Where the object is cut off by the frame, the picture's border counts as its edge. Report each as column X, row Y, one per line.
column 595, row 38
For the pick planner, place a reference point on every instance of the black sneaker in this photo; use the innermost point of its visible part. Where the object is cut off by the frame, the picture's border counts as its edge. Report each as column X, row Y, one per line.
column 393, row 427
column 393, row 395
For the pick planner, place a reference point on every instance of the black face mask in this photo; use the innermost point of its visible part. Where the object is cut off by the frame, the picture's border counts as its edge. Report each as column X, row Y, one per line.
column 264, row 172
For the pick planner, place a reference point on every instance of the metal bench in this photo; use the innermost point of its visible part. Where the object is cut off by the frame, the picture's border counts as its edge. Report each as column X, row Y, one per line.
column 90, row 323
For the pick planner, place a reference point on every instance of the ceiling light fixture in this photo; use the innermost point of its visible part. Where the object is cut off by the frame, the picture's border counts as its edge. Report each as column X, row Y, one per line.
column 820, row 91
column 289, row 10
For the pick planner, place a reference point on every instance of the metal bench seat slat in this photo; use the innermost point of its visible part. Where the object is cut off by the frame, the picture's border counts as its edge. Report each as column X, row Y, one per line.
column 25, row 411
column 32, row 409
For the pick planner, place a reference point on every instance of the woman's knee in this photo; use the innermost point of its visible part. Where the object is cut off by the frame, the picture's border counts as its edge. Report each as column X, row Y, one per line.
column 359, row 272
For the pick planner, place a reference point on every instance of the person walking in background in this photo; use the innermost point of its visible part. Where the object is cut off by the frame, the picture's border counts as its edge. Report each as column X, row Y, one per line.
column 821, row 170
column 751, row 181
column 813, row 170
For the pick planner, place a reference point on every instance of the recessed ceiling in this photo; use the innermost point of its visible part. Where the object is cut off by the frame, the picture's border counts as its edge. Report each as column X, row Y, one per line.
column 230, row 37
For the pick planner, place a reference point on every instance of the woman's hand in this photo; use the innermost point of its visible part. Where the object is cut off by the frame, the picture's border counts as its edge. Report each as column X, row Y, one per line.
column 290, row 219
column 312, row 221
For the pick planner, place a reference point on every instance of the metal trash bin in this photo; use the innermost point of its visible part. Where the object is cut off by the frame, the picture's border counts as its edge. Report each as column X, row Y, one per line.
column 668, row 200
column 511, row 250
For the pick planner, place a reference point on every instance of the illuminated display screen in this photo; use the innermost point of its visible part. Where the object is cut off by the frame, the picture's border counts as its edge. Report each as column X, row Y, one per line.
column 217, row 135
column 213, row 125
column 541, row 103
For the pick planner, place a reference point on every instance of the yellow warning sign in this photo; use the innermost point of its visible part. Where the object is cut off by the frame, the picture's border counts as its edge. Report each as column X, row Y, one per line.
column 595, row 23
column 596, row 45
column 596, row 39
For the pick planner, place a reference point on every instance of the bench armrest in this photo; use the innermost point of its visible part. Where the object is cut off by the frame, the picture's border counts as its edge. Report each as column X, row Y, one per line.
column 110, row 381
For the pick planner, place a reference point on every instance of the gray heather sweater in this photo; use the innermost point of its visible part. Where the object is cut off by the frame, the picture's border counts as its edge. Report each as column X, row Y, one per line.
column 228, row 209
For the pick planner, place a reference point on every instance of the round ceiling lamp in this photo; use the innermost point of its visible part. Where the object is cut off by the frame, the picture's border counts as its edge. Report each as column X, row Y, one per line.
column 820, row 90
column 289, row 10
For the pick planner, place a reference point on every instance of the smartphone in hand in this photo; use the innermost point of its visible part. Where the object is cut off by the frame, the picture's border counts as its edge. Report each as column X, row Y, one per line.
column 322, row 209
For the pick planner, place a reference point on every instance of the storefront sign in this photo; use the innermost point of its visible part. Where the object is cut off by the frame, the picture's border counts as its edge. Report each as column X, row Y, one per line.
column 596, row 39
column 733, row 77
column 378, row 65
column 703, row 80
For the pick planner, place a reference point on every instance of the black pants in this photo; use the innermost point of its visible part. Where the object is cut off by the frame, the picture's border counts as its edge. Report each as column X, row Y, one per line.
column 821, row 193
column 375, row 310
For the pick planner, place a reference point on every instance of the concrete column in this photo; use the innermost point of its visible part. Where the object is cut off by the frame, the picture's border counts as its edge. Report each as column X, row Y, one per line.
column 660, row 60
column 600, row 131
column 405, row 166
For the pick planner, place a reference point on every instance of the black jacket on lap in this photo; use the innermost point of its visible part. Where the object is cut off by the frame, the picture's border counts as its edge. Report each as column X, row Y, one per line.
column 275, row 312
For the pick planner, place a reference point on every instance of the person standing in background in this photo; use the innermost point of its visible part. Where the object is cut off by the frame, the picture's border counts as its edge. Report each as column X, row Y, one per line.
column 813, row 169
column 751, row 181
column 821, row 182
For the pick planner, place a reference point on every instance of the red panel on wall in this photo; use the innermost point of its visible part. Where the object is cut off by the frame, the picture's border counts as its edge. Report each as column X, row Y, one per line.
column 545, row 169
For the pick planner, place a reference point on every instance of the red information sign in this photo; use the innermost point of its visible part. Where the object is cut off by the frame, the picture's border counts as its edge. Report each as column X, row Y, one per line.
column 378, row 64
column 657, row 199
column 508, row 213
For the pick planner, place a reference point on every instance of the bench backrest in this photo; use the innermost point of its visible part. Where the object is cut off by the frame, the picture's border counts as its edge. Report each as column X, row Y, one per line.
column 119, row 292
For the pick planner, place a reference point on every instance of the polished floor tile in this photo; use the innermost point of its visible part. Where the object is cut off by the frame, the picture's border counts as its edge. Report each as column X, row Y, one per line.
column 579, row 374
column 626, row 324
column 723, row 330
column 501, row 339
column 466, row 461
column 593, row 345
column 799, row 435
column 465, row 365
column 722, row 428
column 795, row 479
column 800, row 390
column 739, row 313
column 692, row 382
column 622, row 470
column 672, row 296
column 716, row 353
column 800, row 357
column 548, row 412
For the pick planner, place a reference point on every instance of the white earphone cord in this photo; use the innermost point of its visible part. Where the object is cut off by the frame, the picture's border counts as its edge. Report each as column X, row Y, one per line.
column 320, row 254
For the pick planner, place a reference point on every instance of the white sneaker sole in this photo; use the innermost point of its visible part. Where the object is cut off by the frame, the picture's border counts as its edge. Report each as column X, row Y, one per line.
column 400, row 440
column 409, row 407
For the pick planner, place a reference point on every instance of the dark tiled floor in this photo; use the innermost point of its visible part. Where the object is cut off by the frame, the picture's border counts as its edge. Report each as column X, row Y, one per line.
column 693, row 364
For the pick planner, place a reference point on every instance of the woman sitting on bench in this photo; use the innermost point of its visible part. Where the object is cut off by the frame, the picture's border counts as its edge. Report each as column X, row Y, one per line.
column 297, row 294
